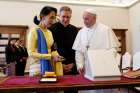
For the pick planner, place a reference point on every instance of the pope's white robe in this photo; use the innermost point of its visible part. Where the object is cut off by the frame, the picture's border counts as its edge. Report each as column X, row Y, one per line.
column 97, row 37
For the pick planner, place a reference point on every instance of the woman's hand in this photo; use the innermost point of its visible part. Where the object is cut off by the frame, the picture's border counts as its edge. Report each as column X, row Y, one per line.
column 58, row 58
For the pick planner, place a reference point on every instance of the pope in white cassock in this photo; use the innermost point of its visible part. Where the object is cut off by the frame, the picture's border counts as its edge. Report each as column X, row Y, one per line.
column 93, row 35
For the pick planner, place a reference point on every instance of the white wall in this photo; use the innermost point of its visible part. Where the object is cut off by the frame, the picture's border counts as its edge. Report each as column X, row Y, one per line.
column 134, row 14
column 22, row 13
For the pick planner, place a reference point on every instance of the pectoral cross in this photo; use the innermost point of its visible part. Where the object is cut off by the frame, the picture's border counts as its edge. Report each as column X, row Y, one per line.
column 87, row 47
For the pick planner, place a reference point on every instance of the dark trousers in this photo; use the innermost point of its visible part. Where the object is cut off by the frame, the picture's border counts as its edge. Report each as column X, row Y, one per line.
column 20, row 67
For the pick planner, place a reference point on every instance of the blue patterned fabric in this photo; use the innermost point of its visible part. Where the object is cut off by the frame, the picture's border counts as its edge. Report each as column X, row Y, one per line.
column 43, row 49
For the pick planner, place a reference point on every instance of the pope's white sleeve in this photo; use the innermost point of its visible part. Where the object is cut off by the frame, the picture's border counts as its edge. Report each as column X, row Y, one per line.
column 79, row 56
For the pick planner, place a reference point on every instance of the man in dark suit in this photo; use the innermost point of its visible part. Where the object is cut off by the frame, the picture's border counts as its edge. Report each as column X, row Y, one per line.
column 64, row 35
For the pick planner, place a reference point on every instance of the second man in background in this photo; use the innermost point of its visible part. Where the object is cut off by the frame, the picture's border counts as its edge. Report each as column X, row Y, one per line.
column 64, row 35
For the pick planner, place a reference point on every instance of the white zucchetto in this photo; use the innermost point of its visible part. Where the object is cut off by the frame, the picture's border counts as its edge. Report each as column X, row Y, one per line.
column 92, row 11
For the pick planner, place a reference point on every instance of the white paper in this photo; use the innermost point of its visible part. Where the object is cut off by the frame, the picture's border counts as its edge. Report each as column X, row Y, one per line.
column 136, row 61
column 126, row 60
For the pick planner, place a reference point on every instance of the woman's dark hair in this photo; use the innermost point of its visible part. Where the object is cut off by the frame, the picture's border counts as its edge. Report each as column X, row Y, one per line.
column 44, row 12
column 11, row 40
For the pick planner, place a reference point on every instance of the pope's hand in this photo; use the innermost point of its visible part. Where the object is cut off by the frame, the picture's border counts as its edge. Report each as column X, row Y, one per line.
column 81, row 71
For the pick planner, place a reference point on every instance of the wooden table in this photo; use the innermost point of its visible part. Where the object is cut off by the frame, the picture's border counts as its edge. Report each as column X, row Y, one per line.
column 24, row 84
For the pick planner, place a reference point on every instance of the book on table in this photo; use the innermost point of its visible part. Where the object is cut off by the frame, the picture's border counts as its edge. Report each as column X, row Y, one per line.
column 132, row 74
column 101, row 65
